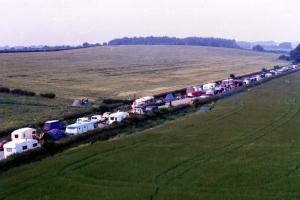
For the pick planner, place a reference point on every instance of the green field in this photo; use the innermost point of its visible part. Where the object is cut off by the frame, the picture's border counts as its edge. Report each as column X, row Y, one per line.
column 248, row 147
column 18, row 111
column 122, row 71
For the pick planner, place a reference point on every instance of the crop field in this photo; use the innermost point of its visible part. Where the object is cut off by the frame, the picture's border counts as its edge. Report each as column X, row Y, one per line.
column 123, row 71
column 16, row 111
column 247, row 147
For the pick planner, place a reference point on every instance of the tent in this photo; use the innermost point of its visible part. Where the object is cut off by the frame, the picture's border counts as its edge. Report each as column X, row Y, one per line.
column 170, row 97
column 55, row 134
column 82, row 103
column 76, row 103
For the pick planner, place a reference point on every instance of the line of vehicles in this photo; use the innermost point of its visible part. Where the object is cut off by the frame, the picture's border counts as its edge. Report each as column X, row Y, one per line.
column 26, row 139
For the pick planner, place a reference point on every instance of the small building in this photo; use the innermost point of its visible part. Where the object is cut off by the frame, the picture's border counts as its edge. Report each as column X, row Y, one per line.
column 23, row 133
column 117, row 117
column 19, row 146
column 79, row 128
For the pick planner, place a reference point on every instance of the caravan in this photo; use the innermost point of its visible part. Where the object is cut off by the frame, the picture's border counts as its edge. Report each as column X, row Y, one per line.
column 78, row 128
column 23, row 133
column 117, row 117
column 19, row 146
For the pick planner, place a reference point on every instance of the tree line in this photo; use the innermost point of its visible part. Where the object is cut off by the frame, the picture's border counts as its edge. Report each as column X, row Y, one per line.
column 192, row 41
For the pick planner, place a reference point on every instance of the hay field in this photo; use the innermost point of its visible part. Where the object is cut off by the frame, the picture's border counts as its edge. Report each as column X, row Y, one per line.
column 247, row 148
column 123, row 71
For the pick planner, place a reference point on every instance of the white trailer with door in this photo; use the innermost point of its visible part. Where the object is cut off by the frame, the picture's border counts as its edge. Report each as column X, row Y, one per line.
column 19, row 146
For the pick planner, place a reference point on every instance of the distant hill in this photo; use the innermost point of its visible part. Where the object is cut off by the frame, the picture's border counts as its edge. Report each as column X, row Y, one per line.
column 192, row 41
column 267, row 45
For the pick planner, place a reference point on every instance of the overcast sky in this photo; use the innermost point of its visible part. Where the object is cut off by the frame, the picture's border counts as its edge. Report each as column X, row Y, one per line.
column 33, row 22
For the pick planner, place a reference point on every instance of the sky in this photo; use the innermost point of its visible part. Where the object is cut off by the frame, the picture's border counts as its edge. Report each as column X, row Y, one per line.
column 57, row 22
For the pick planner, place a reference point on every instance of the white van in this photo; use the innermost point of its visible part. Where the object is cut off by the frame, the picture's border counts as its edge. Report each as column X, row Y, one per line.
column 19, row 146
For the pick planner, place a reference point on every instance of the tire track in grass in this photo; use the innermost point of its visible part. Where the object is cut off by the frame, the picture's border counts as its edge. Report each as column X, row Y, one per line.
column 19, row 189
column 189, row 164
column 227, row 149
column 86, row 161
column 77, row 164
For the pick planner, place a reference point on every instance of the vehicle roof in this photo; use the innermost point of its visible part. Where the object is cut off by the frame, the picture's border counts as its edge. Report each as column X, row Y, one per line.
column 144, row 99
column 119, row 113
column 75, row 125
column 22, row 130
column 52, row 121
column 12, row 144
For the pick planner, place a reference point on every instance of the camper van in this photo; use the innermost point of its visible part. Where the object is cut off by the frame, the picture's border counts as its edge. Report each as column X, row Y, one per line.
column 19, row 146
column 78, row 128
column 117, row 117
column 23, row 133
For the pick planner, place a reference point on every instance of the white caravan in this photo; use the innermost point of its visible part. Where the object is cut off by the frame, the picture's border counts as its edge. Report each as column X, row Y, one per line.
column 19, row 146
column 23, row 133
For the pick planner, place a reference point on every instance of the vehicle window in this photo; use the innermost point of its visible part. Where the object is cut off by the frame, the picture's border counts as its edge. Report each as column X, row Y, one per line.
column 16, row 136
column 34, row 145
column 24, row 147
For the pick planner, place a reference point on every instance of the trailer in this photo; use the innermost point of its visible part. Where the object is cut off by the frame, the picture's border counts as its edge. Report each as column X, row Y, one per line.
column 79, row 128
column 23, row 133
column 19, row 146
column 117, row 117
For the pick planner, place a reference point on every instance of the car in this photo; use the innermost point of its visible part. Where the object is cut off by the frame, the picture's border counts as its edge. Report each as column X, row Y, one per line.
column 2, row 144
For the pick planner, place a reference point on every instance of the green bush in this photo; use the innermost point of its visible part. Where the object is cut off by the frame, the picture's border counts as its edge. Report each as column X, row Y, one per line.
column 4, row 90
column 48, row 95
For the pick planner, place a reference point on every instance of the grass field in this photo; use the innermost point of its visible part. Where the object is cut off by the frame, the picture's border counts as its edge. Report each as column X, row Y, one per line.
column 20, row 110
column 123, row 71
column 248, row 147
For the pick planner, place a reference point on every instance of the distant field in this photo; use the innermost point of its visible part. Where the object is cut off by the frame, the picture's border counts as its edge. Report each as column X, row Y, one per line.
column 123, row 71
column 247, row 148
column 19, row 110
